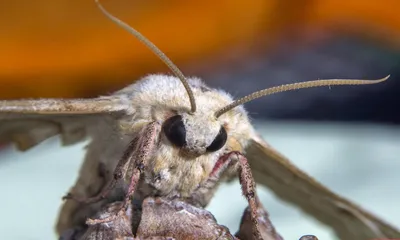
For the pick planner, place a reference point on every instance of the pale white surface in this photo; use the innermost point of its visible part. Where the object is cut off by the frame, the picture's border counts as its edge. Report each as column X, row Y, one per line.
column 359, row 162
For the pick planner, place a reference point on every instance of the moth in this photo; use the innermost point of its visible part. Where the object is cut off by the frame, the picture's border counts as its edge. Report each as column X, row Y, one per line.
column 175, row 137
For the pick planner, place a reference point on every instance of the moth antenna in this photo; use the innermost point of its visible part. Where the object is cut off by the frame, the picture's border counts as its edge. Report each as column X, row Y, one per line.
column 295, row 86
column 155, row 50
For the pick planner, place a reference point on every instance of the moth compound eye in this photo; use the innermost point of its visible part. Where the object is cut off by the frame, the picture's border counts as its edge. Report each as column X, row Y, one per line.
column 175, row 131
column 219, row 141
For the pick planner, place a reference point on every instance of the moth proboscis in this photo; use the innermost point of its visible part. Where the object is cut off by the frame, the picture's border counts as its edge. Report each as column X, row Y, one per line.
column 174, row 137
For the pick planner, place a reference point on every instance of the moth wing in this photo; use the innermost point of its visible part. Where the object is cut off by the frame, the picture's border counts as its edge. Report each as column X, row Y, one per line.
column 273, row 170
column 29, row 122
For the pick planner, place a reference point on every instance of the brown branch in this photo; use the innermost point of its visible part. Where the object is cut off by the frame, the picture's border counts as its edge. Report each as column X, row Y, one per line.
column 159, row 218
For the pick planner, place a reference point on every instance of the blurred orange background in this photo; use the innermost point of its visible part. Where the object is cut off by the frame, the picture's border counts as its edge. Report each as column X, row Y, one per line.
column 68, row 48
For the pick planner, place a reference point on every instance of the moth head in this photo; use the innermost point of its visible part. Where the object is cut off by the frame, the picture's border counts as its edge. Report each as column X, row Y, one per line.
column 195, row 134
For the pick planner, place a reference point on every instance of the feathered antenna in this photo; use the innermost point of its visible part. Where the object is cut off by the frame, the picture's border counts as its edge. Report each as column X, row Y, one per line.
column 295, row 86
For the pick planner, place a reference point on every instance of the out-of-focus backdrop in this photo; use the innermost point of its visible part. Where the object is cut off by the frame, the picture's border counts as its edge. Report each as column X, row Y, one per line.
column 67, row 48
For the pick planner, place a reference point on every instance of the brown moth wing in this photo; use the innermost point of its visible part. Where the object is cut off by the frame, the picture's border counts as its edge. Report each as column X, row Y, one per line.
column 29, row 122
column 289, row 183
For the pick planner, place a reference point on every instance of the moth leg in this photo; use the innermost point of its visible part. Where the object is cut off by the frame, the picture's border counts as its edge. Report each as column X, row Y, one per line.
column 117, row 175
column 146, row 143
column 248, row 190
column 246, row 181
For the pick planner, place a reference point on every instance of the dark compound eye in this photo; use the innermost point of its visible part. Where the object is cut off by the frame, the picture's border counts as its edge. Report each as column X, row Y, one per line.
column 175, row 131
column 219, row 141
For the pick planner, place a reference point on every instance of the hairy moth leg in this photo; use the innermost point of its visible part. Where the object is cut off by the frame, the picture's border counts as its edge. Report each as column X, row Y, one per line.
column 136, row 155
column 239, row 162
column 147, row 142
column 137, row 161
column 248, row 190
